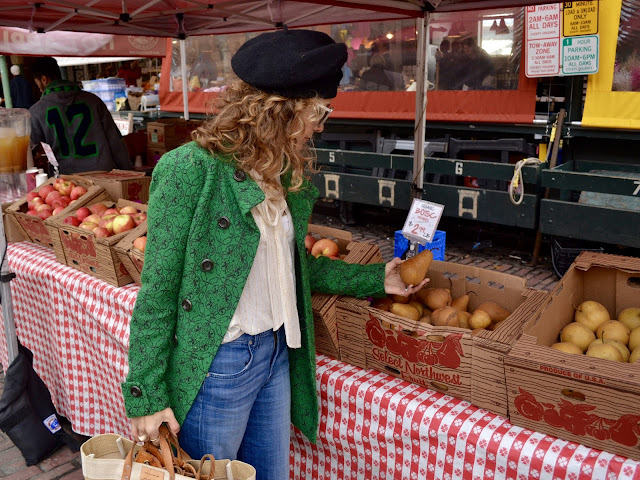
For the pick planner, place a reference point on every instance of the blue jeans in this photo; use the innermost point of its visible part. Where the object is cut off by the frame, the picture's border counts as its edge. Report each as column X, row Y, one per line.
column 242, row 410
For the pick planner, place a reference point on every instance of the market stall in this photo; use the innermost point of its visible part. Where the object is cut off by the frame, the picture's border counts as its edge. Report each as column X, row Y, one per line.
column 372, row 425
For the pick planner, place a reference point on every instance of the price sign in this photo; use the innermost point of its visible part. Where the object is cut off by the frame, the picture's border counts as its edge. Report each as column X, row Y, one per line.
column 50, row 156
column 422, row 221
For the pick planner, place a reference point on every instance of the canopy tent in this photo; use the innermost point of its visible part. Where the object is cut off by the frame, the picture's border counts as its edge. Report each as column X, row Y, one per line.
column 181, row 18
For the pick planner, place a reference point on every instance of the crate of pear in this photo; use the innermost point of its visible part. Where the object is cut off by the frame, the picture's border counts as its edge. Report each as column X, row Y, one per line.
column 595, row 334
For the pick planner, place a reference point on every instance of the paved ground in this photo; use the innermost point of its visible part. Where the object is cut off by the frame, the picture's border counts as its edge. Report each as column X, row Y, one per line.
column 498, row 248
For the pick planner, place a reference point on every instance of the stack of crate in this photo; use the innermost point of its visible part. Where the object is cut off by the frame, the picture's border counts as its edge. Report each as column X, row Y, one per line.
column 167, row 134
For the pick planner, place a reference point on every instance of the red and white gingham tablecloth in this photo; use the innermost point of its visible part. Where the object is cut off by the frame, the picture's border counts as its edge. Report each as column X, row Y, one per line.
column 372, row 426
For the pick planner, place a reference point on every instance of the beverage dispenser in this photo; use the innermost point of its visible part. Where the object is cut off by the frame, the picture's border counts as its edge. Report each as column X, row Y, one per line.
column 15, row 129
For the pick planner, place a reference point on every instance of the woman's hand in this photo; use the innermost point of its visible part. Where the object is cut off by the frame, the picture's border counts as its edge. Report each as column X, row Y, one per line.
column 394, row 285
column 146, row 428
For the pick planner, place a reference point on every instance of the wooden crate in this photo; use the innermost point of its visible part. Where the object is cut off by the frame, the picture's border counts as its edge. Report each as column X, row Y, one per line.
column 35, row 228
column 583, row 399
column 126, row 184
column 448, row 359
column 324, row 305
column 154, row 154
column 170, row 132
column 95, row 256
column 132, row 258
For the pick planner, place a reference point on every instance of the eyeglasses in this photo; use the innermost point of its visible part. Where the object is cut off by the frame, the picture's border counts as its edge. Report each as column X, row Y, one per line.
column 325, row 112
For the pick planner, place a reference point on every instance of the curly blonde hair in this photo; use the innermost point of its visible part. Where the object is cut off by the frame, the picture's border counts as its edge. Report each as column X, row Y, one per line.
column 262, row 132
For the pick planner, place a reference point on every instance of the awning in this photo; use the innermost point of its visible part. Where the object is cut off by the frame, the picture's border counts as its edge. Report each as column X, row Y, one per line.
column 73, row 61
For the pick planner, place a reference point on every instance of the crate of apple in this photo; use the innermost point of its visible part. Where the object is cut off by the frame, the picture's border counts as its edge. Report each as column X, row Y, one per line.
column 131, row 251
column 89, row 235
column 57, row 197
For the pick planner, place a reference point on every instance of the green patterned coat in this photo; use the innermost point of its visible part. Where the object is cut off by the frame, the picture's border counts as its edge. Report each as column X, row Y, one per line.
column 201, row 243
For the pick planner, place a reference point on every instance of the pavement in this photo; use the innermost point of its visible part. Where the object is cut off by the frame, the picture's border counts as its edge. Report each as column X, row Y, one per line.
column 493, row 247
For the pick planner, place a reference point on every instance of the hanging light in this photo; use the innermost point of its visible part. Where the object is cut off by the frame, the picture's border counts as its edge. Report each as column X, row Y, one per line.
column 494, row 26
column 389, row 35
column 502, row 28
column 453, row 31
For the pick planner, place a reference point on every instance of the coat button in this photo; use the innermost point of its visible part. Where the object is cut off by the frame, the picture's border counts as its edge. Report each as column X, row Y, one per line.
column 186, row 305
column 239, row 176
column 206, row 265
column 223, row 222
column 135, row 391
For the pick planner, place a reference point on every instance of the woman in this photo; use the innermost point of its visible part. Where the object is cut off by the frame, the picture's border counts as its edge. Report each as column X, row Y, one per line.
column 222, row 332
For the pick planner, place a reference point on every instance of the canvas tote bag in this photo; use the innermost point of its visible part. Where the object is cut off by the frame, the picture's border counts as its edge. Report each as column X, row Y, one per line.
column 111, row 457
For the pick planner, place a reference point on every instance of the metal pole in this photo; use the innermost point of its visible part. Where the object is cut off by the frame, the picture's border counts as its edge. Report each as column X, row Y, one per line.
column 4, row 71
column 422, row 83
column 185, row 84
column 5, row 298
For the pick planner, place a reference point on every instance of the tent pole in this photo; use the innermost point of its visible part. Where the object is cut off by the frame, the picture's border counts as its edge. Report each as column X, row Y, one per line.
column 185, row 84
column 5, row 297
column 422, row 83
column 4, row 71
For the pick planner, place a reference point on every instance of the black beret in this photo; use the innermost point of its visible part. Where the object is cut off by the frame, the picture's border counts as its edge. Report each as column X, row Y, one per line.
column 292, row 63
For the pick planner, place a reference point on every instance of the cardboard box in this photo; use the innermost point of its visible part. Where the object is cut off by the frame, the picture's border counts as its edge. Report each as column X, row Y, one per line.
column 170, row 132
column 583, row 399
column 13, row 231
column 95, row 256
column 35, row 228
column 154, row 154
column 324, row 305
column 448, row 359
column 132, row 258
column 126, row 184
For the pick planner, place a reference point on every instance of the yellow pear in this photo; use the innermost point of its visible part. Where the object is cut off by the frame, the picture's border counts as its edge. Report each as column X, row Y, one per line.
column 406, row 311
column 383, row 303
column 418, row 307
column 614, row 330
column 461, row 303
column 606, row 351
column 463, row 319
column 479, row 319
column 414, row 270
column 445, row 317
column 591, row 314
column 567, row 347
column 630, row 317
column 635, row 355
column 437, row 298
column 620, row 346
column 577, row 334
column 634, row 339
column 495, row 311
column 426, row 319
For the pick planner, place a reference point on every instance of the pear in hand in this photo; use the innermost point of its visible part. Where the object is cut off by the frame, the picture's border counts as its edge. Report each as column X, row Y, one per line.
column 414, row 270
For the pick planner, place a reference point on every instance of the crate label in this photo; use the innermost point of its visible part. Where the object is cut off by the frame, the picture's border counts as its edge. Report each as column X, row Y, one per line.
column 579, row 419
column 83, row 249
column 570, row 374
column 415, row 356
column 35, row 227
column 154, row 138
column 133, row 191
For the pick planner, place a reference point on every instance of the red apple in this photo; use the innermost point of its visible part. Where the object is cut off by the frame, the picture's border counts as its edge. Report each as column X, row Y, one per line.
column 107, row 222
column 309, row 241
column 32, row 212
column 65, row 187
column 35, row 202
column 139, row 218
column 88, row 226
column 140, row 243
column 123, row 223
column 44, row 214
column 57, row 210
column 51, row 197
column 101, row 232
column 93, row 218
column 77, row 192
column 98, row 208
column 64, row 199
column 43, row 207
column 325, row 247
column 128, row 210
column 31, row 195
column 57, row 182
column 45, row 190
column 71, row 220
column 110, row 211
column 82, row 213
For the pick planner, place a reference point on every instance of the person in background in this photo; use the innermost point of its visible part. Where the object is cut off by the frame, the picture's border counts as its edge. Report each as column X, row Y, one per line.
column 221, row 337
column 131, row 72
column 477, row 71
column 21, row 94
column 376, row 78
column 77, row 124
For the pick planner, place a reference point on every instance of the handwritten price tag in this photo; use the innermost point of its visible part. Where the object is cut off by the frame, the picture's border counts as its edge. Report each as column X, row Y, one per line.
column 48, row 151
column 422, row 221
